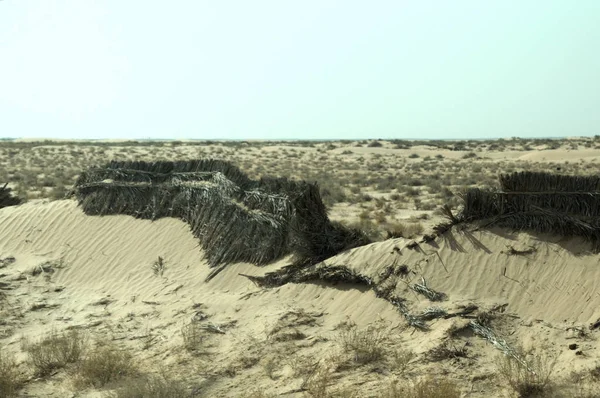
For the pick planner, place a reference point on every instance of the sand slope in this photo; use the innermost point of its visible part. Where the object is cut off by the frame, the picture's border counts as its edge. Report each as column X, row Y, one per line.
column 96, row 273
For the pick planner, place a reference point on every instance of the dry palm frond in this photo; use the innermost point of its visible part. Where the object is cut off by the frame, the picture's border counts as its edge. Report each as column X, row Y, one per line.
column 539, row 202
column 528, row 181
column 6, row 199
column 235, row 218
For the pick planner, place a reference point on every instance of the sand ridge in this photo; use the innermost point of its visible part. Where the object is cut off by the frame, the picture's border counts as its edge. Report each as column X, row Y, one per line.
column 96, row 273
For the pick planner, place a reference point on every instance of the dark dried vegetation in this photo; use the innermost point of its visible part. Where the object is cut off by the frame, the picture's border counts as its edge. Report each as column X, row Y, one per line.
column 538, row 202
column 235, row 218
column 6, row 198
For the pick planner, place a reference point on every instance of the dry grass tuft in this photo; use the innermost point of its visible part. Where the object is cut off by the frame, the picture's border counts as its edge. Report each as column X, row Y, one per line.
column 447, row 351
column 104, row 364
column 10, row 379
column 528, row 378
column 195, row 338
column 365, row 346
column 400, row 360
column 317, row 384
column 55, row 351
column 152, row 387
column 404, row 230
column 431, row 387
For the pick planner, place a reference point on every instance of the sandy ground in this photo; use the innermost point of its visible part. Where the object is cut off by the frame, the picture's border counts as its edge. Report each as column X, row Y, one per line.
column 96, row 274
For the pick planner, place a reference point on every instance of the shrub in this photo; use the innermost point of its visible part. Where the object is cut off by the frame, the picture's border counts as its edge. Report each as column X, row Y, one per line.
column 59, row 191
column 55, row 351
column 447, row 351
column 413, row 156
column 595, row 372
column 400, row 359
column 332, row 194
column 529, row 377
column 402, row 230
column 431, row 387
column 367, row 345
column 366, row 198
column 10, row 379
column 366, row 226
column 257, row 394
column 152, row 387
column 355, row 190
column 434, row 186
column 194, row 337
column 428, row 206
column 412, row 192
column 104, row 364
column 380, row 217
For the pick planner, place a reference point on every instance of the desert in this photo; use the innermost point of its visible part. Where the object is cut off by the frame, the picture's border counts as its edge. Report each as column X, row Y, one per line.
column 121, row 296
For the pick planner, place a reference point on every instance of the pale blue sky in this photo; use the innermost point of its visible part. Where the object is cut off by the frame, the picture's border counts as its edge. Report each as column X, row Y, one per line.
column 299, row 70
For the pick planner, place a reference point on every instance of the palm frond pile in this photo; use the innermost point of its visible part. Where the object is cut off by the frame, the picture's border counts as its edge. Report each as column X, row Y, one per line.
column 235, row 218
column 6, row 198
column 539, row 202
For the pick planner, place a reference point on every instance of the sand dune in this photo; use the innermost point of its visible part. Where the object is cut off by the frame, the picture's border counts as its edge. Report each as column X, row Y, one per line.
column 96, row 273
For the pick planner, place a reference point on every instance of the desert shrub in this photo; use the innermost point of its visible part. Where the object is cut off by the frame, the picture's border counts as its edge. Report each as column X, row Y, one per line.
column 412, row 192
column 332, row 194
column 595, row 372
column 380, row 217
column 447, row 351
column 419, row 205
column 55, row 351
column 470, row 155
column 401, row 144
column 404, row 230
column 257, row 393
column 530, row 376
column 10, row 379
column 59, row 191
column 367, row 226
column 400, row 359
column 413, row 156
column 385, row 184
column 194, row 337
column 104, row 364
column 434, row 186
column 365, row 346
column 317, row 383
column 302, row 365
column 365, row 197
column 151, row 387
column 431, row 387
column 376, row 166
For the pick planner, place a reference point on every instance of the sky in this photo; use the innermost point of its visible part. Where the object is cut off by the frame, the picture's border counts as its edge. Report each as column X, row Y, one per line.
column 322, row 69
